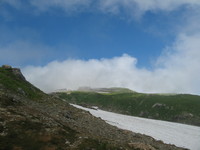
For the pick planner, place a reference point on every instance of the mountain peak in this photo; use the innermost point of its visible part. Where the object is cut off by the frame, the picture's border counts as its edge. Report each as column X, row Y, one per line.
column 15, row 71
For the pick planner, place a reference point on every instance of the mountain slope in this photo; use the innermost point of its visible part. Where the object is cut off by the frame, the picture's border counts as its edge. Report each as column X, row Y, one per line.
column 182, row 108
column 33, row 120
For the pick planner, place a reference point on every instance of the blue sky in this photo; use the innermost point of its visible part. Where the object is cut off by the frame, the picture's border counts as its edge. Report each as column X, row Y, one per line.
column 150, row 35
column 87, row 34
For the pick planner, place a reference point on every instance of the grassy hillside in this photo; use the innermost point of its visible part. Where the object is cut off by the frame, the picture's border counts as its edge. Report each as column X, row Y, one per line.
column 13, row 81
column 182, row 108
column 33, row 120
column 105, row 90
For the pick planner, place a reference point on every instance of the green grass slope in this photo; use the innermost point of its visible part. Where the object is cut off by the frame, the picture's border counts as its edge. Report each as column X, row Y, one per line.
column 13, row 81
column 33, row 120
column 182, row 108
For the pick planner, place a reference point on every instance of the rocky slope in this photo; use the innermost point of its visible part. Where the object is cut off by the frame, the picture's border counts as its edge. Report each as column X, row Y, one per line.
column 33, row 120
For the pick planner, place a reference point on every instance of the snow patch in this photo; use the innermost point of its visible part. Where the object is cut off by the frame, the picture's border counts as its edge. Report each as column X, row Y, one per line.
column 171, row 133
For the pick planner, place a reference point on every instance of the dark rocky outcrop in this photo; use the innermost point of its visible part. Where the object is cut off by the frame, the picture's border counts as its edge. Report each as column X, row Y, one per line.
column 18, row 74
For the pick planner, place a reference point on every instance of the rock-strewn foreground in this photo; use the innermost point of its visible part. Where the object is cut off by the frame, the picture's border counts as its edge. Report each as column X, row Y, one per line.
column 33, row 120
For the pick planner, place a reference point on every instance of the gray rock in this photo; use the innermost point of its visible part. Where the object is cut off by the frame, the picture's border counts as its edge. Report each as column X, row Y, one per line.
column 158, row 105
column 17, row 72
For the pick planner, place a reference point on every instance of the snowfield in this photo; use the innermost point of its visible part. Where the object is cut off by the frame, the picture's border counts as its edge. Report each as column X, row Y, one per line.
column 171, row 133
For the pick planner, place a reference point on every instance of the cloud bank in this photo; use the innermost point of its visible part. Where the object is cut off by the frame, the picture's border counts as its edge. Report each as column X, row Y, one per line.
column 177, row 71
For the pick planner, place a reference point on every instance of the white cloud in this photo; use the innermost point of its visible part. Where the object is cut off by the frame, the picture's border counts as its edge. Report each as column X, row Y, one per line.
column 132, row 7
column 136, row 8
column 179, row 72
column 181, row 66
column 75, row 73
column 115, row 5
